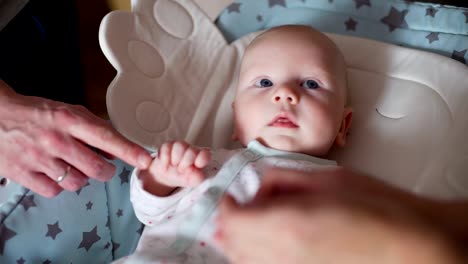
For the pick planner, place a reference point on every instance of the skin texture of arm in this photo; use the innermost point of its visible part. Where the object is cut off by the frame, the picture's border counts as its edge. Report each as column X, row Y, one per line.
column 40, row 138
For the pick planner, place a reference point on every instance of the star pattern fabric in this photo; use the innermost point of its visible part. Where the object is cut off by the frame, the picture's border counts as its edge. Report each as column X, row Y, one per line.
column 89, row 205
column 89, row 238
column 459, row 55
column 115, row 246
column 395, row 19
column 124, row 176
column 119, row 213
column 28, row 202
column 272, row 3
column 425, row 26
column 351, row 24
column 433, row 36
column 234, row 8
column 5, row 235
column 79, row 191
column 431, row 11
column 53, row 230
column 76, row 226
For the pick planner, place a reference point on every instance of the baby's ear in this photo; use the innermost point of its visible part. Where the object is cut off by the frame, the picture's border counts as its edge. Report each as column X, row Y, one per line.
column 340, row 139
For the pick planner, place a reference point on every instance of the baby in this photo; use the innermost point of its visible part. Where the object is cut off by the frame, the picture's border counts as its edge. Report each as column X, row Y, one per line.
column 289, row 110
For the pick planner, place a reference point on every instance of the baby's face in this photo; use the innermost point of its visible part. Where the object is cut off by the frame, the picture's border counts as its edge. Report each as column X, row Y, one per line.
column 291, row 92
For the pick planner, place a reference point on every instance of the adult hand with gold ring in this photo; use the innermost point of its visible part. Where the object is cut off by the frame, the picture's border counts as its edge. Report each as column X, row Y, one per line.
column 40, row 139
column 65, row 174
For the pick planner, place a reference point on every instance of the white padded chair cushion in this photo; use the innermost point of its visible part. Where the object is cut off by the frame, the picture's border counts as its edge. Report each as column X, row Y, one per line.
column 176, row 77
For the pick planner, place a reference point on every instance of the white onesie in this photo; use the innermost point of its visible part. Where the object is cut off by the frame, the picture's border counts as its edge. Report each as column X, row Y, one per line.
column 180, row 227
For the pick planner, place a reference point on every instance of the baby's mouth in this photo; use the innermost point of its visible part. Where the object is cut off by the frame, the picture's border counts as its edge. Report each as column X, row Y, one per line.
column 283, row 120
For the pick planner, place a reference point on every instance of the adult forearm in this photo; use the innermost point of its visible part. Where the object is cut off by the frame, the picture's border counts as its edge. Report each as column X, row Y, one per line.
column 5, row 89
column 450, row 220
column 452, row 216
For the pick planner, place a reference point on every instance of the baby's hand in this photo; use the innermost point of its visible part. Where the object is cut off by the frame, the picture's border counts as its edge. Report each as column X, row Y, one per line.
column 179, row 164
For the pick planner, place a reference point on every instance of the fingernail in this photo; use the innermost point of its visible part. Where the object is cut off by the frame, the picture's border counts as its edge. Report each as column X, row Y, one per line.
column 109, row 171
column 144, row 160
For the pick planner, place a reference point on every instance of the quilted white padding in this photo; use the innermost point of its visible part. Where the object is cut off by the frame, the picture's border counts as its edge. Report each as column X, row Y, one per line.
column 176, row 77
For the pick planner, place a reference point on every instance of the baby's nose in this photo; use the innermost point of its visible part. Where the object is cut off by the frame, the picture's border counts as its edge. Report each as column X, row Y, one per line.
column 285, row 94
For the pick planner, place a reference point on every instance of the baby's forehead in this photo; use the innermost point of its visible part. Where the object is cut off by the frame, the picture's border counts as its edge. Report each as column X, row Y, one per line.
column 291, row 35
column 291, row 41
column 273, row 49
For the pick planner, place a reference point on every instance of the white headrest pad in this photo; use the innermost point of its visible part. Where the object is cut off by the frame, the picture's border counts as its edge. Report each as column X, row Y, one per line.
column 176, row 79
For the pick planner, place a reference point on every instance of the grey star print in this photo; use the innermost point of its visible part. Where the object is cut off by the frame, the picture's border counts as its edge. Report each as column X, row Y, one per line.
column 89, row 238
column 259, row 18
column 47, row 261
column 459, row 56
column 272, row 3
column 28, row 202
column 124, row 176
column 20, row 261
column 115, row 246
column 53, row 230
column 430, row 11
column 89, row 205
column 234, row 7
column 119, row 213
column 360, row 3
column 79, row 191
column 433, row 36
column 5, row 235
column 351, row 24
column 395, row 19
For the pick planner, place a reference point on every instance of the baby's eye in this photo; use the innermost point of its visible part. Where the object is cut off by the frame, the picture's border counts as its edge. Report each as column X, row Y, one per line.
column 310, row 84
column 264, row 83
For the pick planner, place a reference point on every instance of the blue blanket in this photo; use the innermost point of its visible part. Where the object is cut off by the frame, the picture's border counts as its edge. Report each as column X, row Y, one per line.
column 436, row 28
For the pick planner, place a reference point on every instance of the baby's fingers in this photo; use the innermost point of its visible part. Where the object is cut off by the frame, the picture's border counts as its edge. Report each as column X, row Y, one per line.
column 178, row 150
column 202, row 159
column 194, row 157
column 194, row 176
column 164, row 154
column 188, row 159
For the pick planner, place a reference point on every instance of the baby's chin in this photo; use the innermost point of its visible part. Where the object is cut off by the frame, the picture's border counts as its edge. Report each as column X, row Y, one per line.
column 289, row 144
